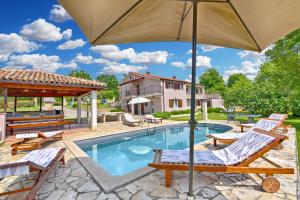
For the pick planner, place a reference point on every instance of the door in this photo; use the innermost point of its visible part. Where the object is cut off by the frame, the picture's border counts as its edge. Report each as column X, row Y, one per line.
column 136, row 109
column 142, row 108
column 138, row 89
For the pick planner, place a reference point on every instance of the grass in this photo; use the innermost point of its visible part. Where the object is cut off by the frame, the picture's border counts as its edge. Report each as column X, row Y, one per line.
column 295, row 122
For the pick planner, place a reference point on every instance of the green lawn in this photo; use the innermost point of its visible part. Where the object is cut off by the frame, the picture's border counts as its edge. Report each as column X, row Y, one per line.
column 294, row 121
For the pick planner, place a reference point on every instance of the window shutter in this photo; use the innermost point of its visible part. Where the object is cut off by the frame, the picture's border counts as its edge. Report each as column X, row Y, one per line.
column 179, row 103
column 171, row 103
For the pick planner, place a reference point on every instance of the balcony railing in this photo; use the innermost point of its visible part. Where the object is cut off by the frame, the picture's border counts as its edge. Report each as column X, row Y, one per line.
column 143, row 91
column 204, row 96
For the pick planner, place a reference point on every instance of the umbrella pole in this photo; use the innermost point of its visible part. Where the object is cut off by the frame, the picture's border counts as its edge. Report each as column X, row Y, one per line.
column 192, row 121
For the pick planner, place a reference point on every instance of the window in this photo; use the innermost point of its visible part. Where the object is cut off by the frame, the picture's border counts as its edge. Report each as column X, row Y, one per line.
column 197, row 91
column 175, row 103
column 146, row 104
column 198, row 103
column 174, row 85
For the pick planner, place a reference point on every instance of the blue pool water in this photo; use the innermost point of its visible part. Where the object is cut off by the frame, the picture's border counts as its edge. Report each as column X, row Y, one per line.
column 129, row 152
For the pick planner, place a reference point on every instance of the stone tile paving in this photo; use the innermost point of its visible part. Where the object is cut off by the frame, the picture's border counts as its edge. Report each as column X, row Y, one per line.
column 73, row 182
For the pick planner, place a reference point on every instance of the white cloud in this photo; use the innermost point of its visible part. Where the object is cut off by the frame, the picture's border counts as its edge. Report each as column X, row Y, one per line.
column 113, row 52
column 207, row 48
column 83, row 59
column 59, row 14
column 39, row 62
column 4, row 57
column 43, row 31
column 201, row 61
column 14, row 43
column 121, row 68
column 71, row 44
column 189, row 79
column 191, row 51
column 250, row 65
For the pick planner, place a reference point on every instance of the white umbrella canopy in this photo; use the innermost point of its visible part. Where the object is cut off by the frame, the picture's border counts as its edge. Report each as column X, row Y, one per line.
column 138, row 100
column 245, row 24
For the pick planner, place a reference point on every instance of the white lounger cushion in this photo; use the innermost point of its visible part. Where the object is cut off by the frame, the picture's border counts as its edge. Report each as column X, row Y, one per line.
column 277, row 116
column 51, row 133
column 229, row 136
column 26, row 135
column 129, row 118
column 41, row 157
column 235, row 153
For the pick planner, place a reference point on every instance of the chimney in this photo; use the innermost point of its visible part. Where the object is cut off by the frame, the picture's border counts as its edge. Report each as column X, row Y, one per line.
column 148, row 73
column 174, row 77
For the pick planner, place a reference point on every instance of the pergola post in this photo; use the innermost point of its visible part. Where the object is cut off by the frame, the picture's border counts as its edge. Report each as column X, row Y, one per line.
column 204, row 109
column 41, row 103
column 79, row 110
column 5, row 99
column 2, row 126
column 94, row 109
column 15, row 104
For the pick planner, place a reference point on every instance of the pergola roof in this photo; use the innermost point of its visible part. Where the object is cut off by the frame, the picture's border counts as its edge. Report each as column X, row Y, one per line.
column 37, row 83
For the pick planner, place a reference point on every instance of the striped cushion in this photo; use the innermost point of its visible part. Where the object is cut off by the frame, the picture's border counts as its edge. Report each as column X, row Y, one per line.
column 228, row 135
column 266, row 125
column 14, row 171
column 243, row 148
column 42, row 157
column 182, row 156
column 26, row 135
column 277, row 116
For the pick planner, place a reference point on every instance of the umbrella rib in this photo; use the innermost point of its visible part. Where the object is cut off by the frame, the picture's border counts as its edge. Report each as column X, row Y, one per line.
column 181, row 21
column 244, row 24
column 115, row 22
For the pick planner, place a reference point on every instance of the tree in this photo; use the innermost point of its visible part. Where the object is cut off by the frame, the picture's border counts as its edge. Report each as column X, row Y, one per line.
column 237, row 78
column 80, row 74
column 111, row 81
column 212, row 81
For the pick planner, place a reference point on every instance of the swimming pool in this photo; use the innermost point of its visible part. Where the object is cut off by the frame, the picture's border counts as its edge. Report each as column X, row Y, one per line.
column 122, row 154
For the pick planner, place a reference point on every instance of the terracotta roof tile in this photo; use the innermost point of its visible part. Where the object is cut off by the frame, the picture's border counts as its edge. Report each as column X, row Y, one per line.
column 38, row 77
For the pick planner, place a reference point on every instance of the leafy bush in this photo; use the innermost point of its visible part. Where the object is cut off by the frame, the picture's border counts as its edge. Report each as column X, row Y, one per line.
column 26, row 104
column 74, row 105
column 117, row 110
column 215, row 110
column 180, row 112
column 163, row 115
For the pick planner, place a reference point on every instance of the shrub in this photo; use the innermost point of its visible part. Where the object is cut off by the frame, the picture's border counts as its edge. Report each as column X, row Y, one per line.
column 215, row 110
column 180, row 112
column 26, row 104
column 74, row 105
column 117, row 110
column 163, row 115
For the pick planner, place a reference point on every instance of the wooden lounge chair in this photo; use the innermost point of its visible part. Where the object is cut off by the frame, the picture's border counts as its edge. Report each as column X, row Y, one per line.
column 128, row 119
column 152, row 119
column 43, row 161
column 235, row 158
column 228, row 138
column 274, row 116
column 34, row 140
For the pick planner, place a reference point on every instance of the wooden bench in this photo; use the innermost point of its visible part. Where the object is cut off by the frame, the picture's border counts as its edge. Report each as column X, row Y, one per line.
column 34, row 118
column 12, row 127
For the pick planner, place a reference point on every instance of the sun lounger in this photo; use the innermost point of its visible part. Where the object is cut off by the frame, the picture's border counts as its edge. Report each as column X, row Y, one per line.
column 233, row 159
column 43, row 161
column 273, row 116
column 228, row 138
column 35, row 140
column 128, row 119
column 152, row 119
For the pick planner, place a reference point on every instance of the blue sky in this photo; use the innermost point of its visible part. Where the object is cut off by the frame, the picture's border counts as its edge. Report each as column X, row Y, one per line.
column 40, row 35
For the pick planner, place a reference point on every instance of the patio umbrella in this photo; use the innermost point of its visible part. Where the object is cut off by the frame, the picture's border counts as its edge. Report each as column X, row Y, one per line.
column 245, row 24
column 138, row 100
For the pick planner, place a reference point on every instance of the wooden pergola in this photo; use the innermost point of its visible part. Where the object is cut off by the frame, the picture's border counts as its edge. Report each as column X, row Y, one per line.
column 29, row 83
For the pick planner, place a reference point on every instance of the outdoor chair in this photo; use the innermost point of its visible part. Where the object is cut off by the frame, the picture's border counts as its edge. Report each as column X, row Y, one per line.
column 228, row 138
column 274, row 116
column 152, row 119
column 235, row 158
column 42, row 161
column 34, row 140
column 128, row 119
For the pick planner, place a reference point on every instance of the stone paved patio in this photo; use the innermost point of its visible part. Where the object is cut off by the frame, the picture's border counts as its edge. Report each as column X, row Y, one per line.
column 73, row 182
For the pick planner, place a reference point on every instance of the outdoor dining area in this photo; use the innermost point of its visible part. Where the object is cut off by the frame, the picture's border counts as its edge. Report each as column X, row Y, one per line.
column 40, row 85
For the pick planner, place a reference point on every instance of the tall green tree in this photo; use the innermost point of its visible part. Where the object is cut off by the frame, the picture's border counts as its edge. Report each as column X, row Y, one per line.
column 80, row 74
column 212, row 81
column 111, row 81
column 237, row 78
